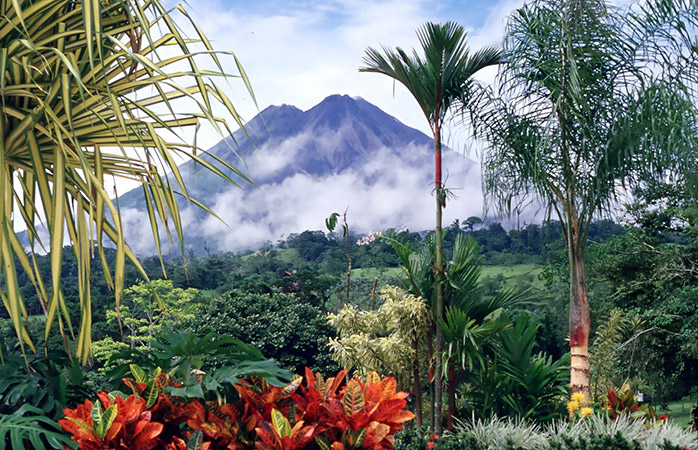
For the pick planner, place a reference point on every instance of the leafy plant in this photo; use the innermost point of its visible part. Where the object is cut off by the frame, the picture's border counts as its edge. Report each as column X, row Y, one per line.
column 112, row 422
column 48, row 382
column 626, row 402
column 515, row 381
column 29, row 427
column 82, row 82
column 281, row 326
column 563, row 434
column 361, row 415
column 497, row 433
column 381, row 340
column 615, row 442
column 185, row 356
column 411, row 438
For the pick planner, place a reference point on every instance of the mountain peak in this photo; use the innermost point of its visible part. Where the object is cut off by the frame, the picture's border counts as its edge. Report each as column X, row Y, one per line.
column 343, row 151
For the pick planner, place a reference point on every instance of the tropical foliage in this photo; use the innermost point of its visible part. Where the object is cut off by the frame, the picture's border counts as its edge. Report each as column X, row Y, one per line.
column 516, row 381
column 589, row 105
column 384, row 340
column 91, row 91
column 282, row 326
column 363, row 414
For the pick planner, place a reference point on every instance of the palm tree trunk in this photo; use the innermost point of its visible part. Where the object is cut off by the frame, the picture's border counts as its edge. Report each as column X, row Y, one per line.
column 438, row 271
column 430, row 362
column 416, row 389
column 451, row 392
column 579, row 321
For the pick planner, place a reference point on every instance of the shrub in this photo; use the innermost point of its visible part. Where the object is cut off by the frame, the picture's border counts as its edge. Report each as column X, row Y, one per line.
column 329, row 414
column 280, row 325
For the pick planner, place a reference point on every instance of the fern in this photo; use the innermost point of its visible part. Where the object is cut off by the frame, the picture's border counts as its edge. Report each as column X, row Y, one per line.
column 28, row 427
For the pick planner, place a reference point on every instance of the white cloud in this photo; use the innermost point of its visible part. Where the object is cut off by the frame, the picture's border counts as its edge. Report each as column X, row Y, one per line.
column 387, row 191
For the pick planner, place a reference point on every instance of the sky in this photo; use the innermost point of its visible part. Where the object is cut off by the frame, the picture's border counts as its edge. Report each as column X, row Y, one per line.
column 299, row 52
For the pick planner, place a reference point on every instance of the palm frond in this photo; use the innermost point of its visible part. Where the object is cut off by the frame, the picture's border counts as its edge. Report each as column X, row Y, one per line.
column 90, row 91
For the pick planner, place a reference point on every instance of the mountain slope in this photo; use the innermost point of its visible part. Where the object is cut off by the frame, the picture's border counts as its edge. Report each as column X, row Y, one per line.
column 343, row 153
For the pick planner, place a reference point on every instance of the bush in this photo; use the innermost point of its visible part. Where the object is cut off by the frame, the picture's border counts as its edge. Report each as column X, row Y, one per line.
column 284, row 328
column 329, row 414
column 595, row 432
column 616, row 442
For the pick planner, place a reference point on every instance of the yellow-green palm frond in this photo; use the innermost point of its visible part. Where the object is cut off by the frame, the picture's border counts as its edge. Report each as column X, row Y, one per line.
column 90, row 90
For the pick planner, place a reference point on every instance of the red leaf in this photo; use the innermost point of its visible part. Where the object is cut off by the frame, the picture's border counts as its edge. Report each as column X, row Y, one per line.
column 145, row 440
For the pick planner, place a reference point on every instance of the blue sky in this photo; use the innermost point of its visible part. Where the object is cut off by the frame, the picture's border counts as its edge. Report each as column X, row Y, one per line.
column 299, row 52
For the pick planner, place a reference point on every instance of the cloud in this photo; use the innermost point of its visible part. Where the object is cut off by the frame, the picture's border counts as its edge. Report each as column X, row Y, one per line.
column 384, row 192
column 387, row 190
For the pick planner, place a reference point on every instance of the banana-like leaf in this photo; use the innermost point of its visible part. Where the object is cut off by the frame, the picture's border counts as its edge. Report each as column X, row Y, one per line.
column 28, row 427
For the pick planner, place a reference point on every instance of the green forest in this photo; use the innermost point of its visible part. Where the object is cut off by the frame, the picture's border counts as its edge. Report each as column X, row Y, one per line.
column 642, row 282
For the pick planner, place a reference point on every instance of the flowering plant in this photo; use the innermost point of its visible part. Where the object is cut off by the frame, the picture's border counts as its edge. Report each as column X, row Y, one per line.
column 626, row 402
column 577, row 408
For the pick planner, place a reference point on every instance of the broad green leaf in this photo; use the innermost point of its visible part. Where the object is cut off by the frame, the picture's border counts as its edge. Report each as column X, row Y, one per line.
column 281, row 425
column 106, row 420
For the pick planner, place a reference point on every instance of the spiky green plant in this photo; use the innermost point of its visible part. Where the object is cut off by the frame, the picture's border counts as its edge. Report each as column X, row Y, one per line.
column 598, row 425
column 95, row 90
column 496, row 433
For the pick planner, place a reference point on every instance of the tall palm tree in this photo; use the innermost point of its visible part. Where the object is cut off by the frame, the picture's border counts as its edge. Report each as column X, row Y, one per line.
column 592, row 102
column 437, row 80
column 90, row 91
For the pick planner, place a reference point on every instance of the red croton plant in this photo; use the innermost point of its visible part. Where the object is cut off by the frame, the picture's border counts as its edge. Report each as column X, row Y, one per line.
column 327, row 414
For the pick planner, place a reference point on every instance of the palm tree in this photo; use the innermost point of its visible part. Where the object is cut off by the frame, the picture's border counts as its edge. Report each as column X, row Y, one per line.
column 593, row 102
column 437, row 81
column 94, row 91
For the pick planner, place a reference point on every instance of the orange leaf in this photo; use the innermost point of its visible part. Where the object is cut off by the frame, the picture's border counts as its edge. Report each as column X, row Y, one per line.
column 146, row 439
column 387, row 409
column 380, row 431
column 374, row 393
column 372, row 378
column 389, row 385
column 402, row 416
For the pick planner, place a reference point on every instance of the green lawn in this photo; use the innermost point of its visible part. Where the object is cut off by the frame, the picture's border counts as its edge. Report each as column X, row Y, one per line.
column 370, row 272
column 515, row 274
column 679, row 412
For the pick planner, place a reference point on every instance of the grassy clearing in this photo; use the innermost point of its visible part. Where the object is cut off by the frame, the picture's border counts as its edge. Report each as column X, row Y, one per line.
column 370, row 272
column 679, row 412
column 515, row 275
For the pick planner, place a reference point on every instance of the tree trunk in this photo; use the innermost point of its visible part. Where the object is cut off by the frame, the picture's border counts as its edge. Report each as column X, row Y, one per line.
column 438, row 271
column 430, row 362
column 579, row 322
column 451, row 392
column 416, row 389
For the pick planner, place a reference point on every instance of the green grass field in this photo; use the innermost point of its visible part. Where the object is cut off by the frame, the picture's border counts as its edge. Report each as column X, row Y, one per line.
column 371, row 273
column 679, row 412
column 515, row 275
